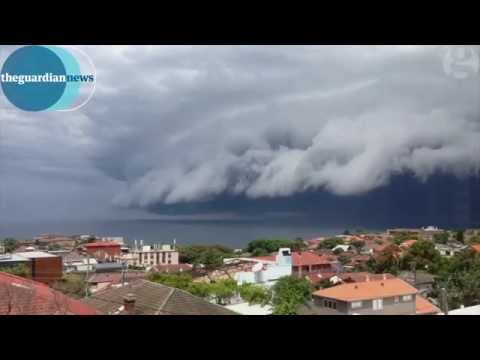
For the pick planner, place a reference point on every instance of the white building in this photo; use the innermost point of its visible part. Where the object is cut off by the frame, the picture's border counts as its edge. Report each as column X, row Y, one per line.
column 151, row 255
column 265, row 271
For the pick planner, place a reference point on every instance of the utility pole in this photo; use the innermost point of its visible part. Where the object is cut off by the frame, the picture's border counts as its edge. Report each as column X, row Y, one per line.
column 124, row 272
column 86, row 278
column 444, row 301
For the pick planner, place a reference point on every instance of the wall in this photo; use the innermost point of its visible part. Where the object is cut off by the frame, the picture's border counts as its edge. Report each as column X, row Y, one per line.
column 47, row 269
column 389, row 307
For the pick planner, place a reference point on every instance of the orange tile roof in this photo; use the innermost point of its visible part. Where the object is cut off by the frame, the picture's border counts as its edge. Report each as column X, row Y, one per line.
column 368, row 290
column 425, row 307
column 476, row 247
column 300, row 258
column 408, row 243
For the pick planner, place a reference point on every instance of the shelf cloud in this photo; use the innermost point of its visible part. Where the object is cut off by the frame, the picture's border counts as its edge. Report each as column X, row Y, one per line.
column 180, row 124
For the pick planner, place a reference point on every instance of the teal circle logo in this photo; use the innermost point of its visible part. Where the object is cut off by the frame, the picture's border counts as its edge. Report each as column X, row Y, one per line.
column 48, row 78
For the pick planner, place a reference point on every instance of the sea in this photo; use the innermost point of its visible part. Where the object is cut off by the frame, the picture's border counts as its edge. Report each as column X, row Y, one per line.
column 232, row 233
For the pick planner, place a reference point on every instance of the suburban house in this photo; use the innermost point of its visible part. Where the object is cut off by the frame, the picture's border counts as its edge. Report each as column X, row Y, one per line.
column 450, row 248
column 307, row 262
column 43, row 267
column 103, row 250
column 388, row 296
column 142, row 297
column 100, row 281
column 21, row 296
column 428, row 232
column 266, row 269
column 152, row 255
column 77, row 262
column 48, row 240
column 421, row 280
column 345, row 277
column 172, row 268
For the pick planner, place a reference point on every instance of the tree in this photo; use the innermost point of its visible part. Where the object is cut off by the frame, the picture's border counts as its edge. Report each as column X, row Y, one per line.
column 289, row 293
column 330, row 243
column 358, row 245
column 459, row 236
column 224, row 290
column 10, row 244
column 209, row 255
column 441, row 238
column 255, row 294
column 425, row 256
column 401, row 237
column 344, row 259
column 385, row 262
column 200, row 289
column 181, row 281
column 346, row 232
column 19, row 270
column 267, row 246
column 73, row 285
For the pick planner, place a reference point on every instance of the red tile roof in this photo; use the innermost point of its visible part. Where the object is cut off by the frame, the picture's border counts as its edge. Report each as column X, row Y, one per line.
column 20, row 296
column 102, row 244
column 116, row 278
column 425, row 307
column 302, row 258
column 368, row 290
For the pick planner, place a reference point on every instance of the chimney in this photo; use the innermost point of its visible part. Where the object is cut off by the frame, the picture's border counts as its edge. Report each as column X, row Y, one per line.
column 384, row 276
column 367, row 278
column 129, row 303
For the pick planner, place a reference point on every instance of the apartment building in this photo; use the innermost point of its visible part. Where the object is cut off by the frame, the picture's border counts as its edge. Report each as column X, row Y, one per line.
column 152, row 255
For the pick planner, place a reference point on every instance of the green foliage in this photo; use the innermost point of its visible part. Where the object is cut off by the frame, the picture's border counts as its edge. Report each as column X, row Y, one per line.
column 344, row 259
column 73, row 285
column 459, row 236
column 10, row 244
column 346, row 232
column 200, row 289
column 54, row 247
column 19, row 270
column 386, row 262
column 223, row 290
column 255, row 294
column 424, row 255
column 474, row 239
column 181, row 281
column 441, row 238
column 460, row 275
column 358, row 245
column 330, row 243
column 289, row 293
column 401, row 237
column 209, row 255
column 261, row 247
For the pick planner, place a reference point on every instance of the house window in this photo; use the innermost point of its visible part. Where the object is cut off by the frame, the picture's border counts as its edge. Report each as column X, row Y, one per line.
column 378, row 304
column 396, row 300
column 407, row 297
column 356, row 304
column 325, row 303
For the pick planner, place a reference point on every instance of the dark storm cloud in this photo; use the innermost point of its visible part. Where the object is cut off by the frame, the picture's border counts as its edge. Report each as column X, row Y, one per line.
column 179, row 124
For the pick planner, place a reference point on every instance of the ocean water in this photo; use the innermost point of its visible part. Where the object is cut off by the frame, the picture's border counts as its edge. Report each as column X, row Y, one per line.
column 235, row 234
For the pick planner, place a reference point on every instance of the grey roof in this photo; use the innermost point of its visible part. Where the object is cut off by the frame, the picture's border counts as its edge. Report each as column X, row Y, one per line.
column 154, row 299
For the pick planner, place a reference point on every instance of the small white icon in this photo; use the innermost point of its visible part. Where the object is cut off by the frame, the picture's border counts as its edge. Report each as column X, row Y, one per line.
column 461, row 62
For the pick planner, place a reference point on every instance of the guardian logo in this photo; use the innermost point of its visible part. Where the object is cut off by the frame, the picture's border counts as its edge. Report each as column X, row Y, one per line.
column 48, row 78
